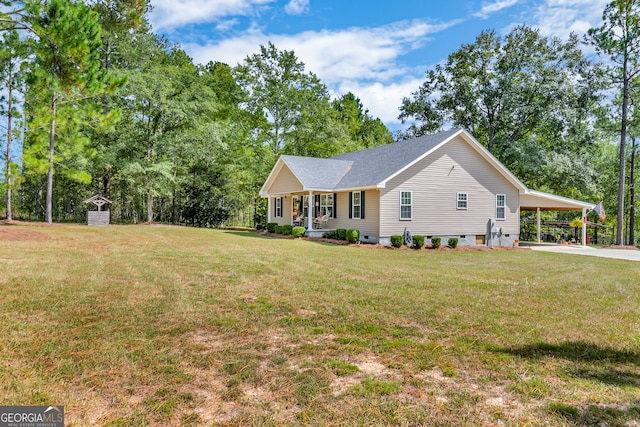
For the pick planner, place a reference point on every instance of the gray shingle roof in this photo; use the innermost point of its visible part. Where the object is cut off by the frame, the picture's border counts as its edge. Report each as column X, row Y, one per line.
column 365, row 168
column 318, row 173
column 374, row 165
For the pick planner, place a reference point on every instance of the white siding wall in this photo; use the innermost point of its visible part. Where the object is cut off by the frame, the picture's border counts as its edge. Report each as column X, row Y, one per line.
column 369, row 226
column 287, row 210
column 435, row 182
column 286, row 182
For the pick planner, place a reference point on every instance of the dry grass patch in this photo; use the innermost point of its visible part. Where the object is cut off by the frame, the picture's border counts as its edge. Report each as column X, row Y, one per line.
column 139, row 325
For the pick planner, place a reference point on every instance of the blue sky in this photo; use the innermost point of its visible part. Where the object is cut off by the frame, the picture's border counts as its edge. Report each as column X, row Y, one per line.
column 379, row 50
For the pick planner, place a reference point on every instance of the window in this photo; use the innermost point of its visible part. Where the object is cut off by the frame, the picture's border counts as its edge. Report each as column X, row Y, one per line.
column 278, row 207
column 463, row 199
column 501, row 206
column 326, row 205
column 406, row 205
column 356, row 205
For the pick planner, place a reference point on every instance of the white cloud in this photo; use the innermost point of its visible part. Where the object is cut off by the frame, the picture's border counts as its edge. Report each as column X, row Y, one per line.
column 335, row 56
column 297, row 7
column 560, row 18
column 169, row 14
column 226, row 25
column 496, row 6
column 365, row 61
column 383, row 100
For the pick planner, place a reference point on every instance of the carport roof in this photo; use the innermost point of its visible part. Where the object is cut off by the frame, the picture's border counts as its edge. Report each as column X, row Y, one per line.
column 532, row 200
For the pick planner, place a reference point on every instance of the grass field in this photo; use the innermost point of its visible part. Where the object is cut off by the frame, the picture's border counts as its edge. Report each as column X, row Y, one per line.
column 153, row 325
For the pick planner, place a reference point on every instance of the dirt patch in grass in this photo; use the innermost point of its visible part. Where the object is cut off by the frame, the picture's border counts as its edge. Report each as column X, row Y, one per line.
column 18, row 235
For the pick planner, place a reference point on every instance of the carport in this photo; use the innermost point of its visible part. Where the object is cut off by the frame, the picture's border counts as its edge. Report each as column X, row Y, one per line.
column 538, row 201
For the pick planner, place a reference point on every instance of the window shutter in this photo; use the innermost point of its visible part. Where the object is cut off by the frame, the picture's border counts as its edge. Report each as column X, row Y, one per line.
column 362, row 205
column 275, row 207
column 350, row 204
column 335, row 204
column 281, row 207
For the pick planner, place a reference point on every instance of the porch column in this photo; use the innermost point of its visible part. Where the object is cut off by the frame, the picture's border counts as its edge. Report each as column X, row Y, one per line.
column 538, row 224
column 269, row 209
column 310, row 212
column 584, row 226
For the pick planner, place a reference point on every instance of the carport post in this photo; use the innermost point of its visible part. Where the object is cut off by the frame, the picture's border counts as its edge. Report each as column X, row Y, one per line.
column 538, row 229
column 584, row 226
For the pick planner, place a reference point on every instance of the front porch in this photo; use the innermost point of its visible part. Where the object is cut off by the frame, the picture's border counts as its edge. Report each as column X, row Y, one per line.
column 295, row 209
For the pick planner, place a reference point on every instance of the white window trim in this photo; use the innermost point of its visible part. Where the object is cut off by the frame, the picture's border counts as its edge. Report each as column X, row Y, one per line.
column 326, row 207
column 503, row 206
column 279, row 213
column 410, row 205
column 466, row 201
column 353, row 205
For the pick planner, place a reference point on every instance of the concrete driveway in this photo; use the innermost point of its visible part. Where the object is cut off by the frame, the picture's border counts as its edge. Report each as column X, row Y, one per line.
column 627, row 254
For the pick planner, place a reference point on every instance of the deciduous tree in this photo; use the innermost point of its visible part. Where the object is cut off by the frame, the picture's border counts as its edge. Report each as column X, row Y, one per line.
column 527, row 98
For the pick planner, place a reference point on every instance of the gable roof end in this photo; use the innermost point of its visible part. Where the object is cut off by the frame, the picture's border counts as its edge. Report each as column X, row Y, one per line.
column 313, row 173
column 373, row 167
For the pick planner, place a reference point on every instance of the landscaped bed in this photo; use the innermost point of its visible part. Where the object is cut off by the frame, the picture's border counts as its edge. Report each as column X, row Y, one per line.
column 145, row 325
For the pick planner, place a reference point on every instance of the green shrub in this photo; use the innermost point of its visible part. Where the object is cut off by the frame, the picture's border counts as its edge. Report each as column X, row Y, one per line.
column 271, row 227
column 278, row 229
column 418, row 242
column 260, row 227
column 435, row 242
column 341, row 233
column 453, row 242
column 287, row 229
column 396, row 241
column 353, row 236
column 298, row 232
column 331, row 234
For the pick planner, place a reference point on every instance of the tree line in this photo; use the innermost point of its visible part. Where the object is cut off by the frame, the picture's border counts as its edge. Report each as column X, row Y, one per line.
column 101, row 104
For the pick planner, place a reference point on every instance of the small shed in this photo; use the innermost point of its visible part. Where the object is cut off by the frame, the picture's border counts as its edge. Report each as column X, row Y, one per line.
column 98, row 218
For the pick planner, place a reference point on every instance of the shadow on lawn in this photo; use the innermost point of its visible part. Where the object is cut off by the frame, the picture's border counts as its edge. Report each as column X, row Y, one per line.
column 248, row 233
column 596, row 415
column 576, row 351
column 592, row 362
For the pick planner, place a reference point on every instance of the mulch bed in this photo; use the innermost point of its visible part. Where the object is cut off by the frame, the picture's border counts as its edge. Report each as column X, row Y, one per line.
column 403, row 248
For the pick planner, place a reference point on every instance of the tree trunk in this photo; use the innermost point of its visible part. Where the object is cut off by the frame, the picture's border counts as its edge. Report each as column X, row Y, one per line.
column 149, row 207
column 9, row 130
column 632, row 194
column 623, row 160
column 106, row 174
column 52, row 131
column 106, row 182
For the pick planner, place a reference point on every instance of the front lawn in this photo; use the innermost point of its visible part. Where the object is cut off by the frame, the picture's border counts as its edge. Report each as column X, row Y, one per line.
column 154, row 325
